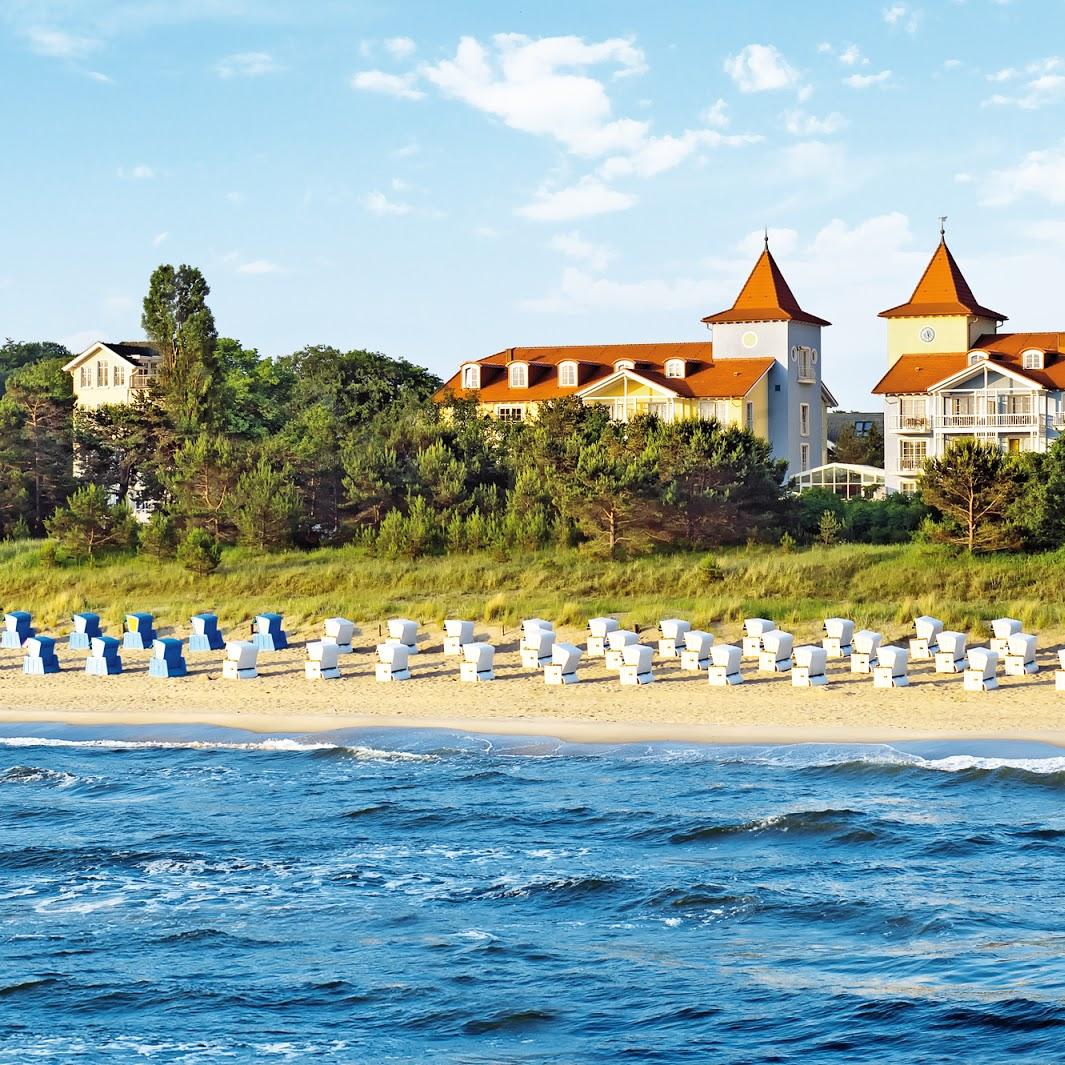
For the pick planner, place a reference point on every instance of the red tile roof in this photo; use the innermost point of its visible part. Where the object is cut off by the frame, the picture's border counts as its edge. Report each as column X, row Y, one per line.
column 913, row 374
column 705, row 377
column 942, row 290
column 765, row 297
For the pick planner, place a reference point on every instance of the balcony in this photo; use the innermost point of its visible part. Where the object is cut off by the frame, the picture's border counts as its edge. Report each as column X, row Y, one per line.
column 972, row 422
column 141, row 380
column 911, row 463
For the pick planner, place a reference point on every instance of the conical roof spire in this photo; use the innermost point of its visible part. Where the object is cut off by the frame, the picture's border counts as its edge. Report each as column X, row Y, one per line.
column 765, row 297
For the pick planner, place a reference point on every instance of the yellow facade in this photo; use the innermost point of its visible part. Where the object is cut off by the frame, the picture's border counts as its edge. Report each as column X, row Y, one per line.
column 952, row 333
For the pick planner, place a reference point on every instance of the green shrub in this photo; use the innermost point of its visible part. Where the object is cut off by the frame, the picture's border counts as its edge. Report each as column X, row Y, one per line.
column 199, row 552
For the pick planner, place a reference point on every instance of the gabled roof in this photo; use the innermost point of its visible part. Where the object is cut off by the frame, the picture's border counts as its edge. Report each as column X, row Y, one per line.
column 915, row 374
column 130, row 351
column 942, row 290
column 765, row 297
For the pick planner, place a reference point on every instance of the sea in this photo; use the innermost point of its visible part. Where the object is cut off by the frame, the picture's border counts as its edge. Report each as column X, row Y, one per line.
column 190, row 895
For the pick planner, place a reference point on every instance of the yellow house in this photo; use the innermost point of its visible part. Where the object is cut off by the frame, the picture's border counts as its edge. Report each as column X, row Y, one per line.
column 106, row 373
column 761, row 372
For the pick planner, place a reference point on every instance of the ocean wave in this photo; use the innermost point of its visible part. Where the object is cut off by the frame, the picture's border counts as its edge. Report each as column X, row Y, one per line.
column 796, row 822
column 31, row 774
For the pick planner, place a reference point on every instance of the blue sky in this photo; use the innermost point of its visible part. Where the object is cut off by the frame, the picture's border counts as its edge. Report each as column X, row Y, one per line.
column 440, row 181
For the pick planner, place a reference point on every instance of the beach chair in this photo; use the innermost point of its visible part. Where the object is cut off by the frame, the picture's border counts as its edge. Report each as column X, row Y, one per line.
column 808, row 669
column 1020, row 655
column 86, row 628
column 775, row 656
column 404, row 631
column 754, row 630
column 724, row 668
column 139, row 634
column 40, row 657
column 529, row 624
column 950, row 658
column 166, row 660
column 839, row 632
column 17, row 630
column 616, row 642
column 392, row 661
column 339, row 632
column 924, row 643
column 892, row 668
column 205, row 635
column 598, row 630
column 696, row 654
column 980, row 676
column 672, row 641
column 1001, row 631
column 865, row 645
column 269, row 634
column 241, row 661
column 478, row 662
column 457, row 635
column 562, row 669
column 323, row 658
column 536, row 648
column 636, row 664
column 1059, row 674
column 104, row 659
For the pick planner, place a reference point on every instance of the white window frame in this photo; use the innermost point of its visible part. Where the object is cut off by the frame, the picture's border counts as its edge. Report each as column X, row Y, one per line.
column 471, row 377
column 510, row 412
column 118, row 376
column 977, row 357
column 518, row 375
column 718, row 410
column 918, row 452
column 624, row 364
column 567, row 375
column 748, row 416
column 102, row 374
column 86, row 377
column 1032, row 359
column 804, row 419
column 804, row 457
column 675, row 368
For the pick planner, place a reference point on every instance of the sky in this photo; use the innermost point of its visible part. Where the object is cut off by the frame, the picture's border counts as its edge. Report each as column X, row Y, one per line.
column 441, row 181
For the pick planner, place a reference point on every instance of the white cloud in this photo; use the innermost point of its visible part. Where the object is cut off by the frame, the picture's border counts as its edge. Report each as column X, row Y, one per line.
column 1045, row 85
column 658, row 154
column 259, row 266
column 716, row 115
column 1006, row 74
column 580, row 291
column 963, row 178
column 902, row 16
column 378, row 203
column 399, row 185
column 400, row 47
column 159, row 238
column 247, row 65
column 401, row 85
column 801, row 124
column 140, row 172
column 59, row 45
column 1038, row 174
column 864, row 81
column 406, row 151
column 588, row 197
column 236, row 198
column 782, row 241
column 486, row 232
column 851, row 56
column 760, row 68
column 1048, row 229
column 97, row 75
column 594, row 256
column 952, row 64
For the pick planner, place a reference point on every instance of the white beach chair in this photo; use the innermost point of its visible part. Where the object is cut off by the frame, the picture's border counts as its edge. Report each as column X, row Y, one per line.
column 529, row 624
column 458, row 634
column 1001, row 631
column 478, row 662
column 839, row 632
column 636, row 668
column 892, row 669
column 1059, row 674
column 598, row 630
column 393, row 661
column 536, row 648
column 775, row 656
column 865, row 645
column 672, row 641
column 340, row 632
column 617, row 641
column 1020, row 655
column 696, row 654
column 924, row 643
column 404, row 631
column 754, row 630
column 322, row 661
column 242, row 660
column 724, row 668
column 104, row 659
column 980, row 674
column 562, row 669
column 809, row 668
column 950, row 658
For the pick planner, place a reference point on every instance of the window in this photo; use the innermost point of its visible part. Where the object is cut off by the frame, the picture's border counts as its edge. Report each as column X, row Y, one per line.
column 977, row 356
column 912, row 454
column 1032, row 359
column 101, row 374
column 119, row 376
column 807, row 358
column 518, row 375
column 624, row 364
column 804, row 456
column 675, row 368
column 863, row 428
column 913, row 413
column 471, row 377
column 749, row 417
column 510, row 414
column 804, row 419
column 715, row 409
column 1018, row 403
column 85, row 380
column 567, row 375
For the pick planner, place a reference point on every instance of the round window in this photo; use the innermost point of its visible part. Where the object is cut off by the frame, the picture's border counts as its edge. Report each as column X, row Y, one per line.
column 749, row 339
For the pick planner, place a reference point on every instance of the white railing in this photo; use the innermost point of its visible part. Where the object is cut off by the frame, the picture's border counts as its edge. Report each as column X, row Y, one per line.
column 925, row 424
column 909, row 465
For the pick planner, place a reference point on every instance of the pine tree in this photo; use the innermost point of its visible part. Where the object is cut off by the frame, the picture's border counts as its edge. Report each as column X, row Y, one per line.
column 90, row 522
column 264, row 506
column 158, row 538
column 199, row 552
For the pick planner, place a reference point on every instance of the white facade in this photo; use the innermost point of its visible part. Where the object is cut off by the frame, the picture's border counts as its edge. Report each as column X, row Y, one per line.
column 106, row 373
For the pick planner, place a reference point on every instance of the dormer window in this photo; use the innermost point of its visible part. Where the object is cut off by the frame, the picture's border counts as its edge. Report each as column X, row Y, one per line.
column 1034, row 359
column 471, row 377
column 976, row 357
column 675, row 368
column 567, row 375
column 518, row 375
column 624, row 364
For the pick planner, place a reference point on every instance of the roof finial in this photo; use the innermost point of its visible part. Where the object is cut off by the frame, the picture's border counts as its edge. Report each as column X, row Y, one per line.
column 767, row 237
column 942, row 228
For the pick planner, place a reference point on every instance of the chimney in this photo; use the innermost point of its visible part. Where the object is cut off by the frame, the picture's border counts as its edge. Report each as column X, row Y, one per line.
column 510, row 355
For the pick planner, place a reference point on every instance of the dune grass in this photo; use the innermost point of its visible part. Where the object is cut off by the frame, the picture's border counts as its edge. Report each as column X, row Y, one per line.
column 880, row 587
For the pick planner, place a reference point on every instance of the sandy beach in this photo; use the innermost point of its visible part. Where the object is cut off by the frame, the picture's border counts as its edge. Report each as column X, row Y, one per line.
column 678, row 706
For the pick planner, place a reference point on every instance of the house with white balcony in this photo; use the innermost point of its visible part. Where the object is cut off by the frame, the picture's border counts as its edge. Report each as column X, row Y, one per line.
column 110, row 372
column 952, row 374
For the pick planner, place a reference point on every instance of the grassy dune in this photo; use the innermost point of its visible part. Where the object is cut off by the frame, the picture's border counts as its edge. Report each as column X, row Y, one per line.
column 880, row 587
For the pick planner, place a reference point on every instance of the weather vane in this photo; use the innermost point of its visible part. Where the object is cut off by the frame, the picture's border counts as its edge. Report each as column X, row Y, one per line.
column 942, row 226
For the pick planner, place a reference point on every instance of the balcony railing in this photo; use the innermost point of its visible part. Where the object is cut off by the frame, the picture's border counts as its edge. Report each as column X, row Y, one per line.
column 141, row 380
column 973, row 422
column 910, row 464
